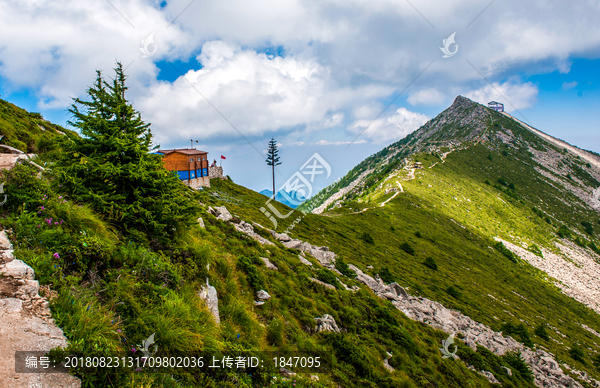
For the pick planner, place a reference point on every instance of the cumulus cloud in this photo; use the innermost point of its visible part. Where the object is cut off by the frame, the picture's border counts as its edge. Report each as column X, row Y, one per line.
column 569, row 85
column 391, row 128
column 512, row 94
column 339, row 58
column 336, row 143
column 426, row 96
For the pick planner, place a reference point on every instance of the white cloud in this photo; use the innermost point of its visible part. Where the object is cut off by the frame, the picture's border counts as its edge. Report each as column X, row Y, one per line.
column 336, row 143
column 512, row 94
column 569, row 85
column 341, row 58
column 427, row 96
column 391, row 128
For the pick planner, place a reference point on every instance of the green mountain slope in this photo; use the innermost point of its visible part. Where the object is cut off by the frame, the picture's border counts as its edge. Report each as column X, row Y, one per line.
column 112, row 288
column 27, row 131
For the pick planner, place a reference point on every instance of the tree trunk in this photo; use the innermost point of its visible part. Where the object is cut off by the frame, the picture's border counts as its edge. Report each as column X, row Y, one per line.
column 273, row 180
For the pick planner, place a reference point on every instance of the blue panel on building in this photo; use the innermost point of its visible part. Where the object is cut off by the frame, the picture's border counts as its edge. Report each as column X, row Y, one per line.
column 205, row 172
column 193, row 173
column 183, row 175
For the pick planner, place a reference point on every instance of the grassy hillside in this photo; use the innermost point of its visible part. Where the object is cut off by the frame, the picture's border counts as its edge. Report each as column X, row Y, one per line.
column 130, row 290
column 27, row 131
column 113, row 285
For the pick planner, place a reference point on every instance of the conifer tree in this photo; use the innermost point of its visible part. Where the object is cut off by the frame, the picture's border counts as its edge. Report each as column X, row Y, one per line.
column 112, row 168
column 273, row 159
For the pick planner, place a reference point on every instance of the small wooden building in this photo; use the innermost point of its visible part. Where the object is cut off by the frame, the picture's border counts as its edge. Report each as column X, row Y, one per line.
column 190, row 165
column 497, row 106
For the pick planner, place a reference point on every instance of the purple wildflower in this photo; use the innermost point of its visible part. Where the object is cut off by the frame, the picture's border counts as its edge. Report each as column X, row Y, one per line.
column 56, row 255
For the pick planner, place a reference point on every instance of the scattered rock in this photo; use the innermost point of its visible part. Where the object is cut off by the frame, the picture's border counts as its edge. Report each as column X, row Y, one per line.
column 263, row 295
column 18, row 269
column 268, row 264
column 201, row 222
column 286, row 372
column 222, row 213
column 209, row 294
column 5, row 243
column 326, row 285
column 248, row 230
column 304, row 261
column 545, row 368
column 326, row 323
column 386, row 363
column 259, row 302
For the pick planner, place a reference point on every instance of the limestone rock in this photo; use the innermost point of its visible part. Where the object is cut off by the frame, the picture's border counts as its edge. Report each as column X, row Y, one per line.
column 18, row 269
column 5, row 243
column 201, row 222
column 304, row 261
column 248, row 230
column 223, row 213
column 259, row 302
column 286, row 372
column 326, row 285
column 268, row 264
column 209, row 294
column 282, row 237
column 263, row 295
column 326, row 323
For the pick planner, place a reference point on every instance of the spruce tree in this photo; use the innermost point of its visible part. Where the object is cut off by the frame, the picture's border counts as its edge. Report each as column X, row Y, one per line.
column 273, row 159
column 112, row 167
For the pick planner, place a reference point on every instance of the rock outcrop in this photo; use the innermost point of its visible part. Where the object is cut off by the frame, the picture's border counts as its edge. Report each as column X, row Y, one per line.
column 268, row 264
column 248, row 230
column 209, row 294
column 25, row 324
column 221, row 213
column 545, row 368
column 326, row 323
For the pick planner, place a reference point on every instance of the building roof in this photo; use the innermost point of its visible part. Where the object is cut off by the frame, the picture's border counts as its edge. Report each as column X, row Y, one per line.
column 185, row 151
column 495, row 103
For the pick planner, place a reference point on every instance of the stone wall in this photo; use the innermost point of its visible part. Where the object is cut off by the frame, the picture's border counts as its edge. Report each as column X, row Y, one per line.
column 215, row 172
column 198, row 182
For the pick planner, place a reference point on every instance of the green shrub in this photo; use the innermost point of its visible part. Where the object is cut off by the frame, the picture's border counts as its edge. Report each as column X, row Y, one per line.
column 588, row 227
column 581, row 242
column 504, row 153
column 516, row 361
column 454, row 292
column 487, row 182
column 542, row 332
column 505, row 251
column 275, row 332
column 328, row 277
column 366, row 237
column 594, row 247
column 490, row 157
column 577, row 353
column 430, row 263
column 512, row 186
column 518, row 332
column 342, row 266
column 386, row 275
column 392, row 228
column 418, row 234
column 535, row 249
column 563, row 232
column 502, row 181
column 406, row 247
column 250, row 266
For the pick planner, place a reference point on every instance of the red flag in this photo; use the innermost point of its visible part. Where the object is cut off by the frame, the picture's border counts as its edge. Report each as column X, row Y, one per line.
column 222, row 157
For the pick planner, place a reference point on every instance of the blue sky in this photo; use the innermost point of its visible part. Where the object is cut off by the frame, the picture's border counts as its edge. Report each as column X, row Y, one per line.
column 311, row 74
